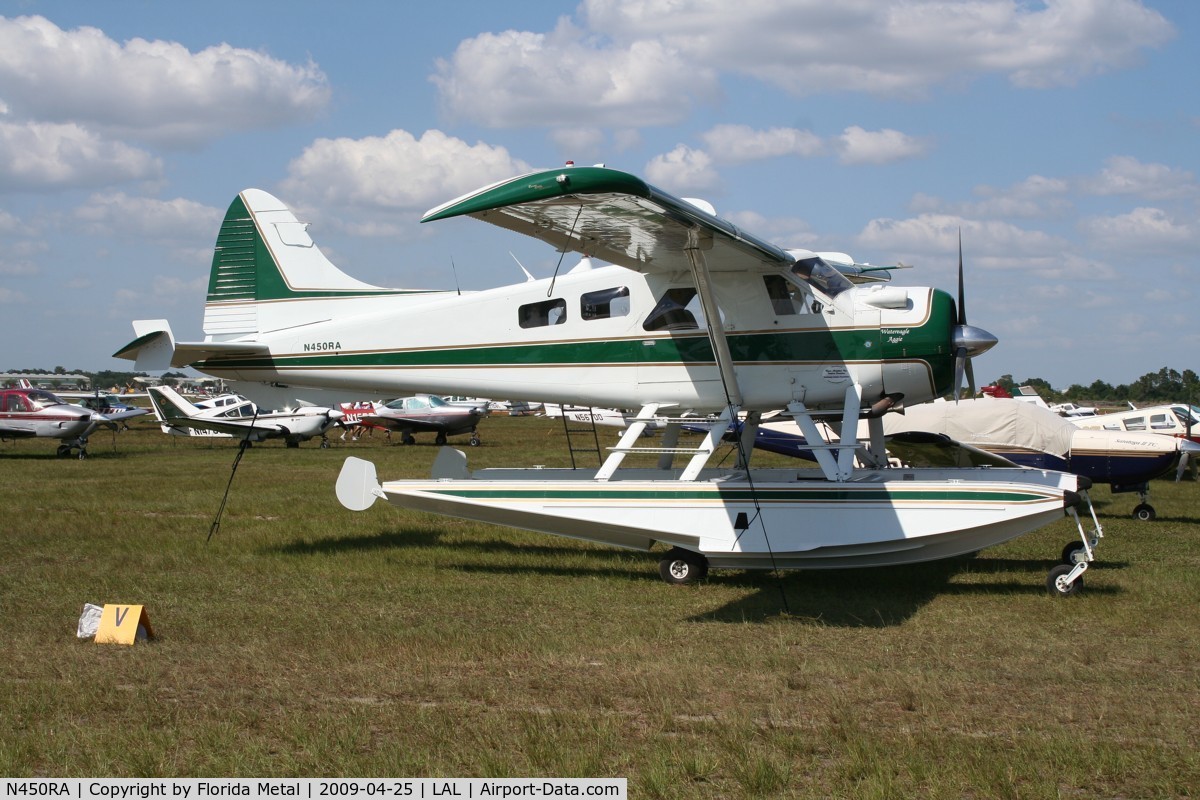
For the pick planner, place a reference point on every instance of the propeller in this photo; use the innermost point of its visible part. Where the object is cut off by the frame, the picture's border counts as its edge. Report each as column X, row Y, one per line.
column 968, row 340
column 1187, row 448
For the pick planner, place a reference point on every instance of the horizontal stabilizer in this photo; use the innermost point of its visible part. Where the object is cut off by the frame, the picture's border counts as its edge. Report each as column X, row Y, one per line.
column 155, row 348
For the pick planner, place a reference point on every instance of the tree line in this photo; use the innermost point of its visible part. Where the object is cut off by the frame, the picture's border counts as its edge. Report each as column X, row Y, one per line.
column 1165, row 386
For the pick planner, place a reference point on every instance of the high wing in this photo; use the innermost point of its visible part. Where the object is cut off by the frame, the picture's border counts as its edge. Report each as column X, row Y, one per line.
column 615, row 217
column 172, row 409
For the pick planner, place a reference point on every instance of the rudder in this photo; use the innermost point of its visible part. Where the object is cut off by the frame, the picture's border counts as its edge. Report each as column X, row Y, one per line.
column 264, row 254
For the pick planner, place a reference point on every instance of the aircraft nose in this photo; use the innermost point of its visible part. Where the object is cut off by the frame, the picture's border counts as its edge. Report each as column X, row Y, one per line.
column 975, row 341
column 1188, row 446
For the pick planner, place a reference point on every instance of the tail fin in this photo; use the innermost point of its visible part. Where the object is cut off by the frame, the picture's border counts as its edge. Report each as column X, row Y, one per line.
column 169, row 406
column 264, row 253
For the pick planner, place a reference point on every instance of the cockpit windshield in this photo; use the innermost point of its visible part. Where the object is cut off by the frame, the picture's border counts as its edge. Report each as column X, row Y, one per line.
column 815, row 271
column 40, row 399
column 1181, row 412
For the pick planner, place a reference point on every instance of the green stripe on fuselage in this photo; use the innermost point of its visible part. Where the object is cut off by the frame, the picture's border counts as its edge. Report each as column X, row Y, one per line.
column 696, row 350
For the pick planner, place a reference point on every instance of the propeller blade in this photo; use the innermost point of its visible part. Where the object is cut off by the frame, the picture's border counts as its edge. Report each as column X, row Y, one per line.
column 962, row 295
column 960, row 362
column 968, row 340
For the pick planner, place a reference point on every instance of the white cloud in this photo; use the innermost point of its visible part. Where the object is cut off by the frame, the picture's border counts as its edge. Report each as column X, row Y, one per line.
column 122, row 215
column 17, row 268
column 11, row 296
column 733, row 144
column 808, row 46
column 1141, row 230
column 858, row 146
column 578, row 144
column 523, row 79
column 154, row 90
column 49, row 156
column 1126, row 175
column 932, row 239
column 164, row 290
column 397, row 171
column 682, row 170
column 1036, row 197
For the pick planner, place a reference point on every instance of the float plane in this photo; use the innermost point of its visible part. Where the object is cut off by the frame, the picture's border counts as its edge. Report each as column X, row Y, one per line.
column 691, row 315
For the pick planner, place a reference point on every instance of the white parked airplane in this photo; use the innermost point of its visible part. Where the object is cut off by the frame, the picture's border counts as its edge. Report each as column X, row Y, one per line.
column 695, row 315
column 240, row 419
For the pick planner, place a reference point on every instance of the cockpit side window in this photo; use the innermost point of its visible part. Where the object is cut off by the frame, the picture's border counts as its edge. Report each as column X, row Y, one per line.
column 816, row 271
column 538, row 315
column 671, row 312
column 786, row 298
column 605, row 303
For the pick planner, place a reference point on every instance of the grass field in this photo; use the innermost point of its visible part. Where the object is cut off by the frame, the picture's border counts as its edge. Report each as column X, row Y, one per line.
column 305, row 640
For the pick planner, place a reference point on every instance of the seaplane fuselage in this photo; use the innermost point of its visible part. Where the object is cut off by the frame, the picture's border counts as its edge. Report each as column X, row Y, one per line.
column 603, row 336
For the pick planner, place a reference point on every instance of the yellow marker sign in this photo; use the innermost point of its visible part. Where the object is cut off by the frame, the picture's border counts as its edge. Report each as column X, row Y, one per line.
column 119, row 624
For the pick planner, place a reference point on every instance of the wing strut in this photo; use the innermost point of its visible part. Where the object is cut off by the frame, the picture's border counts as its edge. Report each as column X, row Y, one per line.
column 699, row 240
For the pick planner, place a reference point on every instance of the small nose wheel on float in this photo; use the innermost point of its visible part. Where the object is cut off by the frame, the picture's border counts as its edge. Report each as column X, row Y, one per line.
column 1066, row 579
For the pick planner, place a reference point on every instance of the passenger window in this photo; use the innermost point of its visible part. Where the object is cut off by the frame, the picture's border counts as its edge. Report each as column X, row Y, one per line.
column 786, row 298
column 1135, row 424
column 605, row 303
column 538, row 315
column 1159, row 421
column 671, row 313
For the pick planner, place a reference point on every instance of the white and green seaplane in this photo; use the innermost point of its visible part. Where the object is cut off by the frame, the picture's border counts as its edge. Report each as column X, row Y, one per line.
column 689, row 316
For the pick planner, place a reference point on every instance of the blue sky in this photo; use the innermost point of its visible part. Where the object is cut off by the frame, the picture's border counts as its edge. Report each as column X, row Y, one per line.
column 1060, row 137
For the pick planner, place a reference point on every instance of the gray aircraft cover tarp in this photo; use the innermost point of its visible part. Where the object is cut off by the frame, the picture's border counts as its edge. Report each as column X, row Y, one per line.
column 988, row 421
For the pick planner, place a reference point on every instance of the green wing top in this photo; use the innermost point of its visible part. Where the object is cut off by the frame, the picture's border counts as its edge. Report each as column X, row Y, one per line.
column 615, row 217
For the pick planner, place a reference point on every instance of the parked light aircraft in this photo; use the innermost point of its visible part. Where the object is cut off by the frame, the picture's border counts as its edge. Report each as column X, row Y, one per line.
column 115, row 411
column 241, row 420
column 27, row 413
column 427, row 413
column 694, row 315
column 1175, row 419
column 1027, row 435
column 1028, row 394
column 597, row 416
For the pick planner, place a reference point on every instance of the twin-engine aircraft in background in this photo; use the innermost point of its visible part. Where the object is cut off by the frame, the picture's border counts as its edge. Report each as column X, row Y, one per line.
column 241, row 419
column 693, row 316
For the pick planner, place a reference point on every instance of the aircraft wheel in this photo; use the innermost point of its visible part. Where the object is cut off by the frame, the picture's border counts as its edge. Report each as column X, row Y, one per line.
column 63, row 451
column 324, row 444
column 1073, row 553
column 292, row 443
column 440, row 438
column 681, row 566
column 82, row 453
column 1144, row 512
column 475, row 441
column 1056, row 581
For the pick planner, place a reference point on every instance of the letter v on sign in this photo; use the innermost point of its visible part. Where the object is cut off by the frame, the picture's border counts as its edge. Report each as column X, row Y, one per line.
column 119, row 624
